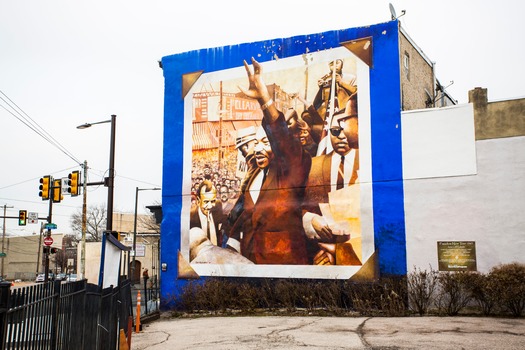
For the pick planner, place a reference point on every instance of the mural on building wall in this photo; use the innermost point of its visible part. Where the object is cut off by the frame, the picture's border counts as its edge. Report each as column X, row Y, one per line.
column 248, row 147
column 280, row 163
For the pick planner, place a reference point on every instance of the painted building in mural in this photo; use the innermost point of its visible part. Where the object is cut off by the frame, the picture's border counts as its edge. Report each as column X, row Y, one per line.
column 291, row 158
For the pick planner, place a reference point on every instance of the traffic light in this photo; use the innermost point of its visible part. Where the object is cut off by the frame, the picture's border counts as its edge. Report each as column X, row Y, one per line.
column 57, row 191
column 45, row 249
column 53, row 250
column 73, row 183
column 45, row 184
column 22, row 217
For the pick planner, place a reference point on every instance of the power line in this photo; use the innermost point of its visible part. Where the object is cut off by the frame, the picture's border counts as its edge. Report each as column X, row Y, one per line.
column 144, row 182
column 25, row 119
column 37, row 202
column 34, row 179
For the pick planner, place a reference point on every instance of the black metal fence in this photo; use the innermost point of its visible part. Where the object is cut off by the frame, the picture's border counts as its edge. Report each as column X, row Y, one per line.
column 57, row 315
column 150, row 297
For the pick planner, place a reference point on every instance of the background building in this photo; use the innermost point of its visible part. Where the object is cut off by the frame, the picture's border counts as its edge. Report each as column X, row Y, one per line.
column 24, row 257
column 420, row 87
column 147, row 247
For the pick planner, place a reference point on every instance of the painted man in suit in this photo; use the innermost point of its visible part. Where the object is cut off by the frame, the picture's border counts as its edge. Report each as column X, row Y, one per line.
column 344, row 88
column 244, row 142
column 269, row 230
column 207, row 214
column 331, row 172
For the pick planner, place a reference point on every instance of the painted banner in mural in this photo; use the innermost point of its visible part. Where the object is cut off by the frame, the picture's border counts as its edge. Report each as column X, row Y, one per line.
column 279, row 179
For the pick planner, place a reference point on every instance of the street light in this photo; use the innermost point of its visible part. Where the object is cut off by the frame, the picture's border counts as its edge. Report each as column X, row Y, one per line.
column 84, row 224
column 111, row 178
column 109, row 184
column 135, row 226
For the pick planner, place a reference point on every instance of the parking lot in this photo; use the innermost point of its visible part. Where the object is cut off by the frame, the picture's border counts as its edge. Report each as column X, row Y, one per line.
column 271, row 332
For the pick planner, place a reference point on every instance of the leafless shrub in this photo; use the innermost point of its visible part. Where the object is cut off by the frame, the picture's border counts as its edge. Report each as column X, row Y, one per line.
column 267, row 295
column 385, row 297
column 508, row 281
column 503, row 289
column 454, row 292
column 393, row 298
column 215, row 295
column 330, row 297
column 483, row 291
column 288, row 294
column 248, row 297
column 421, row 288
column 187, row 300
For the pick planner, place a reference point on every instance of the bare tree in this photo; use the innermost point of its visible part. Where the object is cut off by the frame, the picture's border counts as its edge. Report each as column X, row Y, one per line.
column 95, row 225
column 149, row 223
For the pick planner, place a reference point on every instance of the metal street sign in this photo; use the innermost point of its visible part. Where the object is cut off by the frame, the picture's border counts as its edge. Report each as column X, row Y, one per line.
column 64, row 185
column 51, row 226
column 32, row 218
column 141, row 250
column 48, row 241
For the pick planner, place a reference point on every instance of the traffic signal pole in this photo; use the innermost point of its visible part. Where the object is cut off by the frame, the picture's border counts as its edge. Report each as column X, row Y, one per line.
column 3, row 239
column 51, row 189
column 39, row 259
column 48, row 234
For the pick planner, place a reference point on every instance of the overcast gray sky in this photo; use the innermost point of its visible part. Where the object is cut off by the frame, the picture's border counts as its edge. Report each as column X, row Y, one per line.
column 65, row 63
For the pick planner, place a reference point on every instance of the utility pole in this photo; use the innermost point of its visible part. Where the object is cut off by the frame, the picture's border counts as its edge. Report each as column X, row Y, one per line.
column 3, row 239
column 38, row 259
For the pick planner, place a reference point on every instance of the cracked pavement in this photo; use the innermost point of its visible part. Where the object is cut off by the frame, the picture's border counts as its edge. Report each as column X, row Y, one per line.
column 370, row 333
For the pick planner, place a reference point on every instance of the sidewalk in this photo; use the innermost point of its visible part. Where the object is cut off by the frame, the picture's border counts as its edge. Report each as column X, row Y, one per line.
column 275, row 332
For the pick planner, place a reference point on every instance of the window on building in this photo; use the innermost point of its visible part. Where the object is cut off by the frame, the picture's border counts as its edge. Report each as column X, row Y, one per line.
column 406, row 65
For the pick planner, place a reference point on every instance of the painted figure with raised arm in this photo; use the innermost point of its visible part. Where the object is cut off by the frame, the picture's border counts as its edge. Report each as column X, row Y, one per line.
column 269, row 229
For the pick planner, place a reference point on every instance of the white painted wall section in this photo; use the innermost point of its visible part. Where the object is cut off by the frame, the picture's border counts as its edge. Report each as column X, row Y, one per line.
column 439, row 142
column 488, row 208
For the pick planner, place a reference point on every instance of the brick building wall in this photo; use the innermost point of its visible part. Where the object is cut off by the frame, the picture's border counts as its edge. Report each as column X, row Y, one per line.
column 417, row 77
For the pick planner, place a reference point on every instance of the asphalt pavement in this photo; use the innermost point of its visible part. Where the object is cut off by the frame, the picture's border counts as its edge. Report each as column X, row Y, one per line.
column 284, row 332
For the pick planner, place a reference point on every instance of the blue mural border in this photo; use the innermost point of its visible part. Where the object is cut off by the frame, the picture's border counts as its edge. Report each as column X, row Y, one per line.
column 385, row 104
